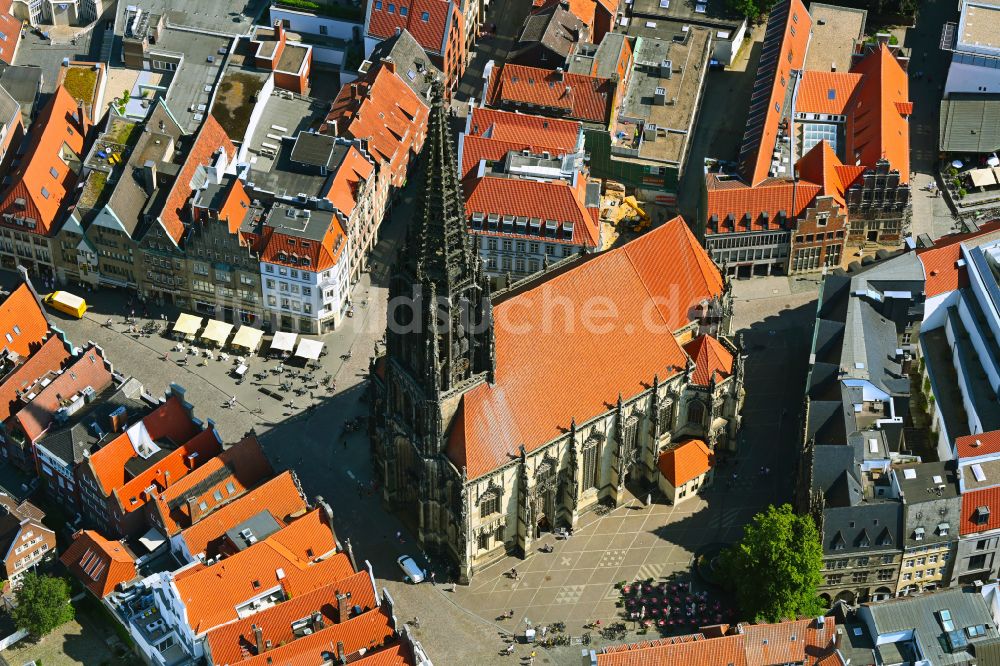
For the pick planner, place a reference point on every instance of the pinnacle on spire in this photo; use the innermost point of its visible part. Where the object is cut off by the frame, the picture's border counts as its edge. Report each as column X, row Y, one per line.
column 438, row 247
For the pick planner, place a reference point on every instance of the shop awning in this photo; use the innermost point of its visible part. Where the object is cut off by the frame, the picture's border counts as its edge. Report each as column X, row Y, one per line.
column 247, row 337
column 187, row 324
column 283, row 341
column 217, row 331
column 309, row 349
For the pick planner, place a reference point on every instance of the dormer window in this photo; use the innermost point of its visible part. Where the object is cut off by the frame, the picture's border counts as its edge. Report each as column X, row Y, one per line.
column 918, row 534
column 982, row 515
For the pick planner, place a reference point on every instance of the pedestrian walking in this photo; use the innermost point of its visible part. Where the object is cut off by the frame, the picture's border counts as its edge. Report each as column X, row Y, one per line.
column 433, row 582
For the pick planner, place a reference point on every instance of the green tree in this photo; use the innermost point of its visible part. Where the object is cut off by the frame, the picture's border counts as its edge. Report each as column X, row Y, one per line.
column 42, row 604
column 776, row 566
column 748, row 8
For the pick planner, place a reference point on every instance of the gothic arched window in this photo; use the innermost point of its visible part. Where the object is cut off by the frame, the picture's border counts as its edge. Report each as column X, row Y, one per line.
column 696, row 413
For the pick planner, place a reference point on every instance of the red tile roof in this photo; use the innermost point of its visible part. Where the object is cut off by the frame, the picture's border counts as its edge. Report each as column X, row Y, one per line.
column 711, row 359
column 48, row 359
column 582, row 9
column 231, row 643
column 552, row 200
column 10, row 28
column 170, row 420
column 788, row 42
column 381, row 109
column 211, row 594
column 41, row 183
column 577, row 96
column 431, row 33
column 877, row 126
column 280, row 497
column 971, row 501
column 941, row 274
column 241, row 466
column 400, row 654
column 799, row 641
column 100, row 564
column 826, row 92
column 87, row 370
column 973, row 446
column 368, row 631
column 770, row 196
column 820, row 165
column 688, row 461
column 20, row 309
column 552, row 134
column 651, row 283
column 210, row 138
column 322, row 255
column 352, row 172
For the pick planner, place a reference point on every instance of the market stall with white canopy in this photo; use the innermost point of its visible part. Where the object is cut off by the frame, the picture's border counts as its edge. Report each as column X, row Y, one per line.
column 284, row 342
column 309, row 349
column 247, row 337
column 187, row 325
column 217, row 332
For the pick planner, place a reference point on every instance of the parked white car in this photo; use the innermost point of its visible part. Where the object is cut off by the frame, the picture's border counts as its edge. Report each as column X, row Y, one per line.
column 414, row 574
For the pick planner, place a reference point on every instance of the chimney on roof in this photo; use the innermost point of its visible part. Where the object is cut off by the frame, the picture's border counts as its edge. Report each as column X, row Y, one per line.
column 258, row 638
column 189, row 460
column 149, row 176
column 317, row 622
column 193, row 509
column 343, row 609
column 279, row 30
column 389, row 64
column 166, row 479
column 341, row 653
column 559, row 74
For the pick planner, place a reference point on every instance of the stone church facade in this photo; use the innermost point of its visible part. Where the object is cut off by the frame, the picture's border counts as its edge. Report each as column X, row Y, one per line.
column 490, row 426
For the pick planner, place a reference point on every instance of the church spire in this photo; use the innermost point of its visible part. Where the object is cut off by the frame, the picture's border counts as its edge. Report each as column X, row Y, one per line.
column 438, row 248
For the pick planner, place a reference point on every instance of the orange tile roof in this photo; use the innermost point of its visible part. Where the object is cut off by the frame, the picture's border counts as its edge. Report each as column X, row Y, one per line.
column 799, row 641
column 688, row 461
column 769, row 196
column 211, row 594
column 280, row 497
column 20, row 309
column 579, row 96
column 711, row 359
column 820, row 165
column 241, row 466
column 10, row 28
column 666, row 264
column 971, row 501
column 785, row 44
column 322, row 255
column 100, row 564
column 233, row 642
column 431, row 33
column 354, row 170
column 174, row 466
column 41, row 183
column 210, row 138
column 877, row 126
column 972, row 446
column 553, row 134
column 725, row 651
column 400, row 654
column 826, row 92
column 941, row 274
column 49, row 358
column 87, row 370
column 385, row 112
column 368, row 631
column 552, row 200
column 168, row 421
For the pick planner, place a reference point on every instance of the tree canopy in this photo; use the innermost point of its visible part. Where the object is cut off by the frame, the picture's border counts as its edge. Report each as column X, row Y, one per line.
column 42, row 604
column 752, row 9
column 776, row 566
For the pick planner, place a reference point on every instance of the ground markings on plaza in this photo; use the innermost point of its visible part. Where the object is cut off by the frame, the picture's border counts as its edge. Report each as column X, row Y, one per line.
column 612, row 558
column 569, row 594
column 650, row 570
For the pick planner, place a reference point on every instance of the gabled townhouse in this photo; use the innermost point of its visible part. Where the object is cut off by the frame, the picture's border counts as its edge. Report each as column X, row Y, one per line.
column 411, row 64
column 554, row 93
column 219, row 481
column 23, row 324
column 598, row 16
column 66, row 444
column 49, row 401
column 824, row 161
column 102, row 565
column 384, row 111
column 117, row 481
column 549, row 36
column 25, row 541
column 978, row 555
column 445, row 29
column 268, row 507
column 40, row 183
column 304, row 269
column 125, row 176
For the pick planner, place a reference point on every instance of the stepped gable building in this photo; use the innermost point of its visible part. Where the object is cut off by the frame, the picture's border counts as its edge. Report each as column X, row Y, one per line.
column 475, row 446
